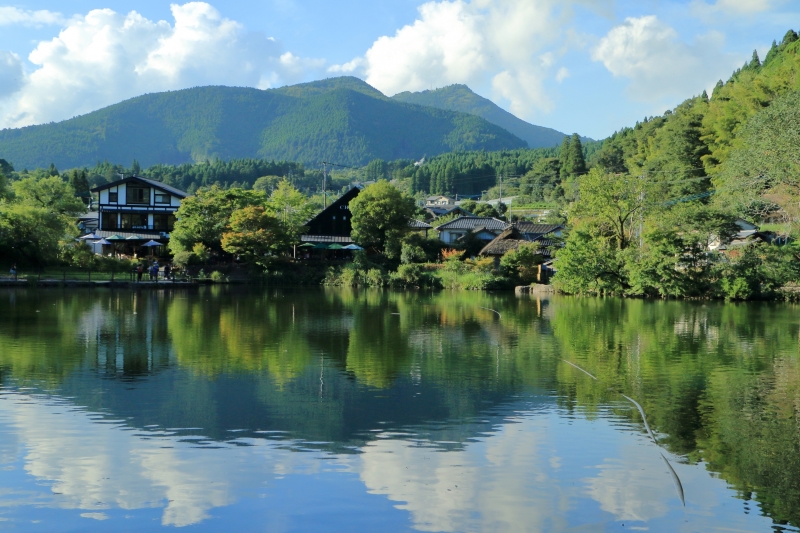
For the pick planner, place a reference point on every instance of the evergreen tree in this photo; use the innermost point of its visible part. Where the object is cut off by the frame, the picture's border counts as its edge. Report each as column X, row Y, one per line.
column 717, row 88
column 52, row 171
column 789, row 38
column 574, row 164
column 755, row 62
column 135, row 168
column 563, row 157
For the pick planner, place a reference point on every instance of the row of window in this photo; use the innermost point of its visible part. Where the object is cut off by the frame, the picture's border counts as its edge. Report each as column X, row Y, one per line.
column 138, row 195
column 137, row 221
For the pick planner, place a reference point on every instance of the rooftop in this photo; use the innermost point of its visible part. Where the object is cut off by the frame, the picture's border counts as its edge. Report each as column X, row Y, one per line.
column 472, row 223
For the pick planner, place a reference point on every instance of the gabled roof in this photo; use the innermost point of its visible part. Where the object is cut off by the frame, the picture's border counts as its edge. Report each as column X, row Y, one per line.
column 472, row 223
column 531, row 228
column 151, row 183
column 418, row 224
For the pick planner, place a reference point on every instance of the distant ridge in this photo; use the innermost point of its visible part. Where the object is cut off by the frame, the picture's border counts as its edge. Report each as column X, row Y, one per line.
column 461, row 98
column 339, row 119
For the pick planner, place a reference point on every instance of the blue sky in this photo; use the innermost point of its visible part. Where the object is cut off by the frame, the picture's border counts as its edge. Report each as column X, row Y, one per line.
column 587, row 66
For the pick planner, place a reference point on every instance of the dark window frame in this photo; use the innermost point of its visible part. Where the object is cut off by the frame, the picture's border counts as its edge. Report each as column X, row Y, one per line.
column 113, row 197
column 142, row 201
column 165, row 197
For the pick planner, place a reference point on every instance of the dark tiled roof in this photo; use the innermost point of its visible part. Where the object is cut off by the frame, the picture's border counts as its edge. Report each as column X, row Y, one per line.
column 157, row 184
column 472, row 223
column 418, row 224
column 539, row 229
column 156, row 235
column 168, row 188
column 327, row 239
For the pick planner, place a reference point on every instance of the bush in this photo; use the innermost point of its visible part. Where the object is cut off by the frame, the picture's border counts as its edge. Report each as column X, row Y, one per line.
column 218, row 277
column 413, row 276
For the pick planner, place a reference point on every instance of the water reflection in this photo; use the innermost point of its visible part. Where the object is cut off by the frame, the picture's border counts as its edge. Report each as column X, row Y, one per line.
column 191, row 403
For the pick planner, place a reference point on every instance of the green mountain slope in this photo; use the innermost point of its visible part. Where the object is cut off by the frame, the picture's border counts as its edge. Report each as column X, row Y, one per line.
column 342, row 119
column 461, row 98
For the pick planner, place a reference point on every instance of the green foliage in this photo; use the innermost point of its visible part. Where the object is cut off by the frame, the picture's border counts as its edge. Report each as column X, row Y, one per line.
column 361, row 272
column 31, row 236
column 763, row 176
column 380, row 217
column 413, row 276
column 254, row 235
column 205, row 216
column 51, row 194
column 522, row 264
column 291, row 208
column 589, row 265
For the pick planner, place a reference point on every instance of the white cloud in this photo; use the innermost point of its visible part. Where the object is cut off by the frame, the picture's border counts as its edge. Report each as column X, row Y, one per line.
column 515, row 44
column 12, row 74
column 659, row 65
column 14, row 16
column 562, row 74
column 104, row 57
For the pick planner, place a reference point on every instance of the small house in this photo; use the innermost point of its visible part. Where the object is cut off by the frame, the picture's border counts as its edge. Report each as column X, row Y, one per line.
column 485, row 228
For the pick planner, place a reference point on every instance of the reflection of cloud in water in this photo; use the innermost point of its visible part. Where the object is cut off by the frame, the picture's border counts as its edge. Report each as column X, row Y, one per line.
column 633, row 489
column 95, row 464
column 495, row 484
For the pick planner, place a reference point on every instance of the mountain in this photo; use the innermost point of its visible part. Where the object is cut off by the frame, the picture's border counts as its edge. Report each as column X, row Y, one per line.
column 341, row 119
column 461, row 98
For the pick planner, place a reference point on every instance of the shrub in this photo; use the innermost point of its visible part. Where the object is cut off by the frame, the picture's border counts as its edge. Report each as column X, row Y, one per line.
column 218, row 277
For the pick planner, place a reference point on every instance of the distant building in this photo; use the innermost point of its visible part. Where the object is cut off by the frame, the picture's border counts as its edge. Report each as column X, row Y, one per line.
column 440, row 201
column 485, row 228
column 333, row 224
column 137, row 205
column 532, row 231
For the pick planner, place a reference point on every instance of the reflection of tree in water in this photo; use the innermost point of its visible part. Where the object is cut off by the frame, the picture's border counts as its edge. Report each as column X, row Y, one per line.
column 719, row 383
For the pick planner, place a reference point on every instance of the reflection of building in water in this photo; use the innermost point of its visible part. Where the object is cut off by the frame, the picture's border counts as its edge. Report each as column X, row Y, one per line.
column 130, row 341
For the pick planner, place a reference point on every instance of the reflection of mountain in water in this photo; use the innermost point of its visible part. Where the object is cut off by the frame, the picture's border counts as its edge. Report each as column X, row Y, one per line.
column 720, row 383
column 320, row 368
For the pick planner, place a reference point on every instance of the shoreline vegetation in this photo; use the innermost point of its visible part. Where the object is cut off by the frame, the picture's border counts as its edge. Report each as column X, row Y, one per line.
column 698, row 203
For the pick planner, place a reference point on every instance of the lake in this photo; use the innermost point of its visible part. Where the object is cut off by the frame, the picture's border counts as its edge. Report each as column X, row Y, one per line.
column 242, row 409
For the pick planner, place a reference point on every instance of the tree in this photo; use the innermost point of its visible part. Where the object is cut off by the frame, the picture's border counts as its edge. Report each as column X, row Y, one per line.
column 765, row 171
column 610, row 204
column 267, row 184
column 291, row 208
column 31, row 235
column 204, row 217
column 380, row 217
column 51, row 194
column 522, row 264
column 254, row 235
column 80, row 183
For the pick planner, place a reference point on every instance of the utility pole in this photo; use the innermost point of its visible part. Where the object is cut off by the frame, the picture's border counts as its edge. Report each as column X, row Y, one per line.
column 500, row 177
column 324, row 180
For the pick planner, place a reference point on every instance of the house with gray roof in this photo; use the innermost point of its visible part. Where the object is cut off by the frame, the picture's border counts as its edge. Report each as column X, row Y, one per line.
column 485, row 228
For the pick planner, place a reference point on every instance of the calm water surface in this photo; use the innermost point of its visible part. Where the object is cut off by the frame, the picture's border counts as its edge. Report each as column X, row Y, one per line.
column 340, row 410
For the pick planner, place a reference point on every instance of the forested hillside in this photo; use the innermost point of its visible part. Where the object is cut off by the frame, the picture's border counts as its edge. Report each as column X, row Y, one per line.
column 343, row 120
column 659, row 196
column 461, row 98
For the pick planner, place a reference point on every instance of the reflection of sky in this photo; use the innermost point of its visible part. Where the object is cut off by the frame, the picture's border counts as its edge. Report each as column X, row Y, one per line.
column 538, row 471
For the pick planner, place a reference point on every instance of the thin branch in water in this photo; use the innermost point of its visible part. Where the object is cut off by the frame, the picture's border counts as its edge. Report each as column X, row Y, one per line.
column 493, row 311
column 644, row 418
column 676, row 480
column 579, row 368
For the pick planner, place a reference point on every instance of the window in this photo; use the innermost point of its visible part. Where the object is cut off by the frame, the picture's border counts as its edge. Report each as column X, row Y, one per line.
column 162, row 198
column 113, row 197
column 138, row 195
column 163, row 222
column 108, row 221
column 134, row 221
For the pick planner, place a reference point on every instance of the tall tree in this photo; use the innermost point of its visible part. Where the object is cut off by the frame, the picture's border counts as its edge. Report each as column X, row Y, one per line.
column 381, row 213
column 254, row 235
column 205, row 216
column 291, row 208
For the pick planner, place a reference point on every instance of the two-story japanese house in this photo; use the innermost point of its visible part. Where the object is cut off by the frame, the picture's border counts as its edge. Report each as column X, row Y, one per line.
column 137, row 206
